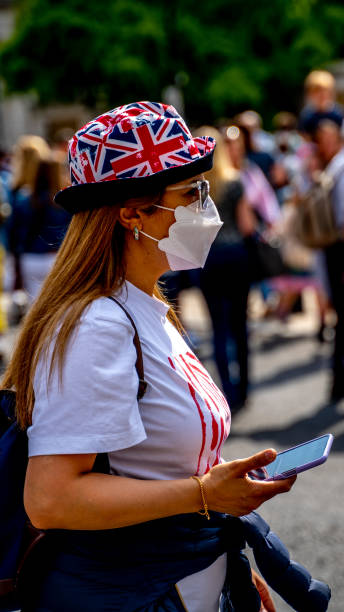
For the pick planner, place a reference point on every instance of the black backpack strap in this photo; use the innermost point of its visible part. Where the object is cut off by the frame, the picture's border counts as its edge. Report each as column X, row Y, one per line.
column 139, row 360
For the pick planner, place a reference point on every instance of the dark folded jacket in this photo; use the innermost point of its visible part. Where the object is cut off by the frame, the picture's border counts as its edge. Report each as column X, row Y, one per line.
column 136, row 568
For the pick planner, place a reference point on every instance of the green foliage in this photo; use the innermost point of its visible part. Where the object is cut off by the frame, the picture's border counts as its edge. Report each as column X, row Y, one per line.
column 235, row 54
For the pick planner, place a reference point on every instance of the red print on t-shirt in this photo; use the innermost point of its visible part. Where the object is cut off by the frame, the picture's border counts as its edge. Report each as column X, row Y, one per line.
column 214, row 403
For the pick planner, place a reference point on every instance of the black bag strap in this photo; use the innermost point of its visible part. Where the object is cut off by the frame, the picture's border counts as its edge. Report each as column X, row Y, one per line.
column 139, row 360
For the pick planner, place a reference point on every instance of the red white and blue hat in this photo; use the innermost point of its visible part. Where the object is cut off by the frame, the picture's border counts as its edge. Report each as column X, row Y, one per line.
column 131, row 151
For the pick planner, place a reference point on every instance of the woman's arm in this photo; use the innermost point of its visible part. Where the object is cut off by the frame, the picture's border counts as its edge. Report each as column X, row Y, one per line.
column 245, row 217
column 61, row 492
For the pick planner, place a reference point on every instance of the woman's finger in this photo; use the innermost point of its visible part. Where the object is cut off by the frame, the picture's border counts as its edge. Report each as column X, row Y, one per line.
column 267, row 605
column 243, row 466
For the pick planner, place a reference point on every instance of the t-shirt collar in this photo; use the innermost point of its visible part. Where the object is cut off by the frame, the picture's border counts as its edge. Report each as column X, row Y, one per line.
column 134, row 293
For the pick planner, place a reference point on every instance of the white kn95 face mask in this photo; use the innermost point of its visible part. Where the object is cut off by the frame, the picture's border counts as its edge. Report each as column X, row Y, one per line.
column 190, row 236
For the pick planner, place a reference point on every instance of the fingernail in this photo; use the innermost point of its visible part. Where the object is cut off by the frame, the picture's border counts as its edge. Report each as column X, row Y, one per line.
column 269, row 455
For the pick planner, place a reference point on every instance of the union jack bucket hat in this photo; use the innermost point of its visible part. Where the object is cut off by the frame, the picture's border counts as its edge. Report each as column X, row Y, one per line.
column 131, row 151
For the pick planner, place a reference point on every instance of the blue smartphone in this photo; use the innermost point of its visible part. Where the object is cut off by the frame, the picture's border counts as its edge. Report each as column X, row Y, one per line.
column 296, row 459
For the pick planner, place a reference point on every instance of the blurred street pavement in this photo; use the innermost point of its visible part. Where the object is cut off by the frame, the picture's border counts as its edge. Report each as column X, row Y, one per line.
column 289, row 385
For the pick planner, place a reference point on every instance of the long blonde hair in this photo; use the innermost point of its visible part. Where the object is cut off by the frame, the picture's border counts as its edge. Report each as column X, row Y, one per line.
column 222, row 171
column 89, row 264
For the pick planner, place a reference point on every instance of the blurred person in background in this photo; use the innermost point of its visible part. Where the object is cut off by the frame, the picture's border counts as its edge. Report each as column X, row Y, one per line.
column 60, row 139
column 225, row 279
column 302, row 183
column 27, row 154
column 259, row 195
column 288, row 164
column 291, row 177
column 286, row 135
column 320, row 102
column 331, row 152
column 258, row 190
column 299, row 275
column 261, row 140
column 259, row 151
column 59, row 146
column 36, row 226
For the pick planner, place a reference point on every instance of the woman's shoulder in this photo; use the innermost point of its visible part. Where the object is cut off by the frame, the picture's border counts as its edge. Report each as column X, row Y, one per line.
column 102, row 332
column 104, row 313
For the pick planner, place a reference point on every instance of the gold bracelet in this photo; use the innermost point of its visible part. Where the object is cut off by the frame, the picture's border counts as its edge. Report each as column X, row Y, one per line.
column 205, row 511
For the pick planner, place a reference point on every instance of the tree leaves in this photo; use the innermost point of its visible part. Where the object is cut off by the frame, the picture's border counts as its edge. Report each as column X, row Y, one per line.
column 234, row 55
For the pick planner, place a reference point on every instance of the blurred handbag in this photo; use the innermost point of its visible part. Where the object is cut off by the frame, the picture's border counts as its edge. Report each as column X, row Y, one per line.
column 295, row 255
column 315, row 224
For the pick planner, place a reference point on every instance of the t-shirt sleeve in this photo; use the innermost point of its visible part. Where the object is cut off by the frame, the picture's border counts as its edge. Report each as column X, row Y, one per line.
column 95, row 408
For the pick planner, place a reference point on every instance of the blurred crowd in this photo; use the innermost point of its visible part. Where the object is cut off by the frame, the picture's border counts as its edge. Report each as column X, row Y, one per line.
column 258, row 181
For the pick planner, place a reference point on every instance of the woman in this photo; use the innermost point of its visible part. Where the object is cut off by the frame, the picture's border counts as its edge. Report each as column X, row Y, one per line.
column 37, row 226
column 258, row 190
column 141, row 207
column 225, row 278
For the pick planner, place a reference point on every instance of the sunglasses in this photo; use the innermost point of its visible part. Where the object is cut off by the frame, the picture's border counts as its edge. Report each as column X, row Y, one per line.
column 203, row 192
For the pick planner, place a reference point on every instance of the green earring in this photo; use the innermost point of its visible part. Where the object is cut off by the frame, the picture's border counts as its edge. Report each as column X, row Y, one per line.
column 136, row 233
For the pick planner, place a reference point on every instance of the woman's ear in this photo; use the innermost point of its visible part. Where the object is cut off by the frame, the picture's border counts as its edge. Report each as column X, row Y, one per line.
column 130, row 218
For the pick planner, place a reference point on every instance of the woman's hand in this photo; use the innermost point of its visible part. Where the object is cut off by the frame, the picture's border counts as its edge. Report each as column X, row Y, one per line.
column 263, row 590
column 229, row 489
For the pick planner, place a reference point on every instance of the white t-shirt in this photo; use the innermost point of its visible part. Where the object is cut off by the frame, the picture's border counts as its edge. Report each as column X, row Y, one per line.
column 176, row 430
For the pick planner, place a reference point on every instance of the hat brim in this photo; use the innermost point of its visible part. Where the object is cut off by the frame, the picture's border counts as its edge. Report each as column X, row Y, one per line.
column 87, row 196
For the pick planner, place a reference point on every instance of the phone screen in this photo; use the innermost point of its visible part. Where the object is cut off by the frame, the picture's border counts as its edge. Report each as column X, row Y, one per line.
column 295, row 457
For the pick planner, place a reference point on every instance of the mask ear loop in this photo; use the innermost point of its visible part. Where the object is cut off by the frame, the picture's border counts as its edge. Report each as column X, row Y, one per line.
column 148, row 236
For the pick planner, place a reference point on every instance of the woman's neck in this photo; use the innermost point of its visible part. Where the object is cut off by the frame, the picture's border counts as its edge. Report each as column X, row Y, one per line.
column 141, row 271
column 146, row 285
